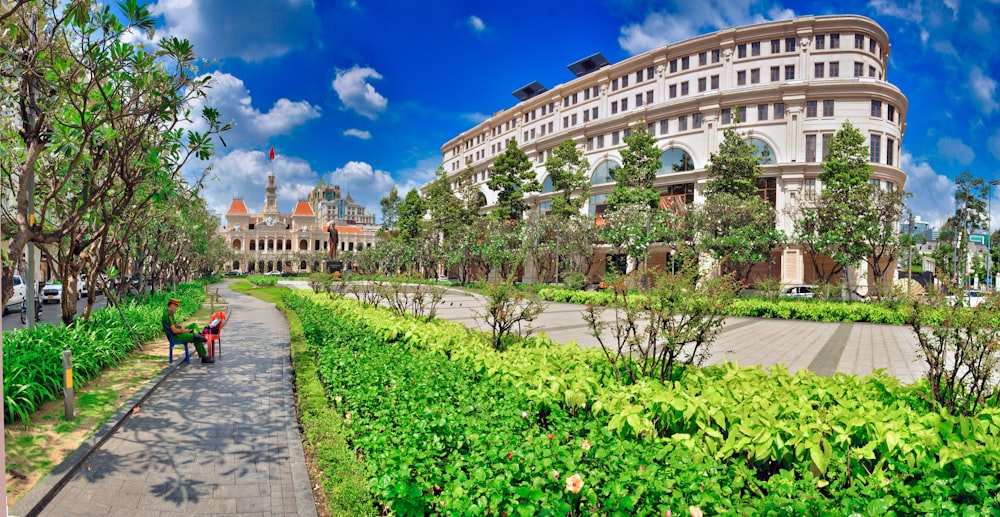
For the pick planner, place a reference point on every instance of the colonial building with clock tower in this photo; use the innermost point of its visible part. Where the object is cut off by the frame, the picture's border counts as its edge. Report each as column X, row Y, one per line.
column 270, row 240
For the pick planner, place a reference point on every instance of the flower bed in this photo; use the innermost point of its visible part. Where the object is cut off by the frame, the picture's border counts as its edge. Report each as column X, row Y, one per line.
column 448, row 426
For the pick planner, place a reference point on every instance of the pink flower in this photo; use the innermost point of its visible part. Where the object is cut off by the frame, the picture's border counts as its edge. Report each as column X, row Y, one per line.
column 510, row 455
column 668, row 513
column 550, row 436
column 574, row 483
column 555, row 474
column 524, row 414
column 585, row 445
column 695, row 511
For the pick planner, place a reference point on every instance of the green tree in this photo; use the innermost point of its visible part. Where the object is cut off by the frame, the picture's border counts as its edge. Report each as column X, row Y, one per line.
column 631, row 220
column 568, row 170
column 970, row 212
column 736, row 226
column 640, row 164
column 100, row 122
column 883, row 240
column 511, row 177
column 834, row 223
column 390, row 209
column 734, row 169
column 411, row 213
column 457, row 203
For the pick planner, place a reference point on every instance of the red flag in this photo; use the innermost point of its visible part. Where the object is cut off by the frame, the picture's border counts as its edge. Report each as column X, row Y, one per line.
column 272, row 153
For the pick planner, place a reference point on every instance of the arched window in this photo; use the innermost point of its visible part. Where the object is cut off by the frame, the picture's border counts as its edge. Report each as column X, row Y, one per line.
column 253, row 245
column 763, row 151
column 302, row 265
column 480, row 199
column 603, row 173
column 547, row 184
column 675, row 160
column 303, row 245
column 237, row 244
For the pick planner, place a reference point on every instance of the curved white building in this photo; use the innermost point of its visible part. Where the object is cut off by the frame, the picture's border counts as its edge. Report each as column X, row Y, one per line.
column 793, row 82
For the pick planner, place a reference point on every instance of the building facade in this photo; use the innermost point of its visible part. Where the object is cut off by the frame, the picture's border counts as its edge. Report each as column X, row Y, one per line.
column 787, row 86
column 298, row 242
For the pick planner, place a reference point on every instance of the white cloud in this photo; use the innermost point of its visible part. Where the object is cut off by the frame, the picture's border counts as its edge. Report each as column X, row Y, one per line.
column 476, row 24
column 251, row 126
column 984, row 88
column 475, row 118
column 980, row 23
column 684, row 20
column 933, row 193
column 911, row 12
column 955, row 149
column 994, row 144
column 244, row 173
column 252, row 30
column 355, row 92
column 953, row 5
column 365, row 184
column 358, row 133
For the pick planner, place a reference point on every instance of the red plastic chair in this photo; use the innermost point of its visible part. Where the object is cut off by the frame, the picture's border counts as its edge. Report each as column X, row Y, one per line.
column 213, row 333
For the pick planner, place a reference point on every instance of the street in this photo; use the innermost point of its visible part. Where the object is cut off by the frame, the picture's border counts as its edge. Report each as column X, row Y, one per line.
column 51, row 313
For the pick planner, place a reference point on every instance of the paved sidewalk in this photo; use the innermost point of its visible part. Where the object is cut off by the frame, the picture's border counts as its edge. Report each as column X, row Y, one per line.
column 824, row 348
column 219, row 439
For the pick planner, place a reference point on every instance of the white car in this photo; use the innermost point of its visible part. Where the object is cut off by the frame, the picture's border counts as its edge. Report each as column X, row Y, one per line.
column 800, row 291
column 51, row 292
column 81, row 285
column 14, row 304
column 273, row 273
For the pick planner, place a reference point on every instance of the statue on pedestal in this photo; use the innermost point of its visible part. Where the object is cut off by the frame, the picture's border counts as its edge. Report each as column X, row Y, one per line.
column 334, row 241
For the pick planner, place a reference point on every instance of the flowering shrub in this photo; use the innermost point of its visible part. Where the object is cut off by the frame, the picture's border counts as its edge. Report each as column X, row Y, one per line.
column 447, row 425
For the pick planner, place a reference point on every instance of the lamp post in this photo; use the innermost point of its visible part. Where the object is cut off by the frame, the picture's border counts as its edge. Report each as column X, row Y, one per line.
column 673, row 269
column 989, row 237
column 909, row 251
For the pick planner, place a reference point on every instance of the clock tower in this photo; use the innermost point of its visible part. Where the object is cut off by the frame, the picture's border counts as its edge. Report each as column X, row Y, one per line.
column 270, row 211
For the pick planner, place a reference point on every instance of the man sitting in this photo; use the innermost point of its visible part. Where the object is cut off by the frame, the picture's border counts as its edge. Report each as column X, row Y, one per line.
column 185, row 335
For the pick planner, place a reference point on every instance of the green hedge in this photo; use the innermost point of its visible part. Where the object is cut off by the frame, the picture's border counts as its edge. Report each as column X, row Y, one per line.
column 32, row 358
column 448, row 426
column 752, row 307
column 263, row 281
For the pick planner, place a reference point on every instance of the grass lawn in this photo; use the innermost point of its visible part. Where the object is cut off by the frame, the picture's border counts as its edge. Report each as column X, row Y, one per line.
column 35, row 448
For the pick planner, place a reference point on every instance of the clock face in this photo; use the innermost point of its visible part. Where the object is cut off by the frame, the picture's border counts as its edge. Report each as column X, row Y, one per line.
column 269, row 221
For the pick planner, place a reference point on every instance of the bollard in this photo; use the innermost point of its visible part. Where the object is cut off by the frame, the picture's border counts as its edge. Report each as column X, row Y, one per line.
column 68, row 383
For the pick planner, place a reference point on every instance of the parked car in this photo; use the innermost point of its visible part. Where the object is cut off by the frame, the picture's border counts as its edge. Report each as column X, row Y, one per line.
column 14, row 304
column 233, row 273
column 81, row 285
column 974, row 298
column 800, row 291
column 52, row 292
column 273, row 273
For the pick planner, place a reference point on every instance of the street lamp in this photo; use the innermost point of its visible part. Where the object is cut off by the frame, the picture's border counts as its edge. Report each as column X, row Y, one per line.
column 989, row 237
column 673, row 268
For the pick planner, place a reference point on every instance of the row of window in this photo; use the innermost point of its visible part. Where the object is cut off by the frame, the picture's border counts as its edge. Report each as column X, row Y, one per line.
column 874, row 143
column 753, row 49
column 820, row 70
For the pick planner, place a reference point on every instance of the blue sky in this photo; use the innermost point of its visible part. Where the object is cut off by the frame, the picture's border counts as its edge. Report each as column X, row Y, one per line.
column 363, row 93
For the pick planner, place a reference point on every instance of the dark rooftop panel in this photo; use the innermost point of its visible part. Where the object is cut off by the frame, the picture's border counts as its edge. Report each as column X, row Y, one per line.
column 528, row 91
column 588, row 64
